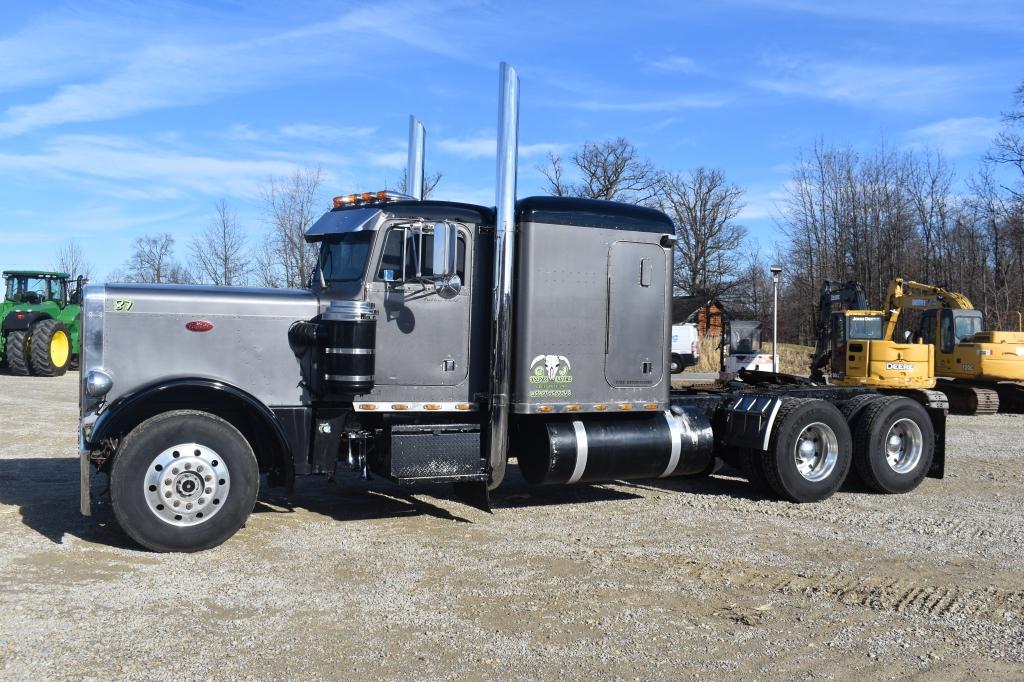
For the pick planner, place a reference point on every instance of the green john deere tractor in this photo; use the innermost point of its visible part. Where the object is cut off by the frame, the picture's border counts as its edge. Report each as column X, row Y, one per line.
column 40, row 319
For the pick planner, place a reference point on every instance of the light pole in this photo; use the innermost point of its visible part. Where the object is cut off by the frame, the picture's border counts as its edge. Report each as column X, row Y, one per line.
column 776, row 271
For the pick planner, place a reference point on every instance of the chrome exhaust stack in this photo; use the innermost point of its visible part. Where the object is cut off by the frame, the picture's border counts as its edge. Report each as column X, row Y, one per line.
column 417, row 151
column 504, row 253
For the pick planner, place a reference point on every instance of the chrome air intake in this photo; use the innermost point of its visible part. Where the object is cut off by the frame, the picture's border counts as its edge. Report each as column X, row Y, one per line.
column 344, row 342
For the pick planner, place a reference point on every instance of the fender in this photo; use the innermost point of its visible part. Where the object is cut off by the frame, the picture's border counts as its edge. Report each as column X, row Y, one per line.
column 256, row 421
column 20, row 320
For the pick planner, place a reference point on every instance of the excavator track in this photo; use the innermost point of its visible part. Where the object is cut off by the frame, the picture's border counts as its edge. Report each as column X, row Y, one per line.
column 927, row 398
column 965, row 398
column 1011, row 396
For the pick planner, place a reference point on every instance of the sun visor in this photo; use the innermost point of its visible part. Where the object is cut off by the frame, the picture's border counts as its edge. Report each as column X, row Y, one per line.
column 344, row 220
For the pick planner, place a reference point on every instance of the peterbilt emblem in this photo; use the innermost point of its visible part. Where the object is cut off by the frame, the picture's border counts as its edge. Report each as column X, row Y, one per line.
column 199, row 326
column 552, row 363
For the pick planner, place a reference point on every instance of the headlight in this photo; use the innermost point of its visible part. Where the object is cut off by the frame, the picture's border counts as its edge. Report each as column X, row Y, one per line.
column 98, row 383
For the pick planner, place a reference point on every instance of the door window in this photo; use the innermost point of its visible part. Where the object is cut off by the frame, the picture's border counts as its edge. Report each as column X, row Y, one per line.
column 416, row 250
column 946, row 337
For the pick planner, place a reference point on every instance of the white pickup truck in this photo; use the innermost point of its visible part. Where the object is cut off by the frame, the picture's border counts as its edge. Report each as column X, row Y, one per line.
column 685, row 347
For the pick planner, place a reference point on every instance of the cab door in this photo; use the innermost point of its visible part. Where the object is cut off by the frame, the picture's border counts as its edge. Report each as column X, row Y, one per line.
column 422, row 338
column 945, row 347
column 838, row 345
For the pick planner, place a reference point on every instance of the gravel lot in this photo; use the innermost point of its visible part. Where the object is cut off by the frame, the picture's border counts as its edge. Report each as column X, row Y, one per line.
column 681, row 579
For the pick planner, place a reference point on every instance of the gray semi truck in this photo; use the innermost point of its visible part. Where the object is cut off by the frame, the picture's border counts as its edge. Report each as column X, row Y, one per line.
column 436, row 341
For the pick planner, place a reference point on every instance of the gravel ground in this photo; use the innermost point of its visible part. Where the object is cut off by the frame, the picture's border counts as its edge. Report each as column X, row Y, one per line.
column 681, row 579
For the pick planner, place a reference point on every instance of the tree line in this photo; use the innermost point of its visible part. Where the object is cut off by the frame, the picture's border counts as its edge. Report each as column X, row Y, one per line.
column 847, row 214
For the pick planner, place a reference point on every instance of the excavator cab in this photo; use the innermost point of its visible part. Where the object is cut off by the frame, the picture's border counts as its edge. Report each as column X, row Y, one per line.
column 861, row 355
column 964, row 350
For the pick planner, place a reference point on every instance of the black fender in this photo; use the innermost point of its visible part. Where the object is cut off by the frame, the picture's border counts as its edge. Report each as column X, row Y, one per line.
column 20, row 320
column 258, row 424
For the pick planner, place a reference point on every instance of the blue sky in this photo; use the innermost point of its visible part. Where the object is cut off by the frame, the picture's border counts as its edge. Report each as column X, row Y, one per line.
column 119, row 119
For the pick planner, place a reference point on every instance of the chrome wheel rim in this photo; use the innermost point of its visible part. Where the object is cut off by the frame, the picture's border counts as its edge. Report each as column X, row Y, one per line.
column 186, row 484
column 904, row 445
column 816, row 451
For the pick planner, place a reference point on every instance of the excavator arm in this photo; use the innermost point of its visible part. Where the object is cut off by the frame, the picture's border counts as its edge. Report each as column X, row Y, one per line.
column 905, row 294
column 836, row 295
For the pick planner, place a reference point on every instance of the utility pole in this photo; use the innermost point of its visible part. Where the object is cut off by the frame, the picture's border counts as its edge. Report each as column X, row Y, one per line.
column 776, row 271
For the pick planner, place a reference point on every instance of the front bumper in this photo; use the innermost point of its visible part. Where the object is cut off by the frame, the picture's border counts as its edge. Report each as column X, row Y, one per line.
column 85, row 466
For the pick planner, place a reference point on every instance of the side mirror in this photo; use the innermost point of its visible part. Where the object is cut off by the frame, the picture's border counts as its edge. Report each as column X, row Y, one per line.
column 446, row 242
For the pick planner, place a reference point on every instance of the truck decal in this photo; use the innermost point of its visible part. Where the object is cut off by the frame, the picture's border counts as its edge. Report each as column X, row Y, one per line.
column 123, row 305
column 549, row 375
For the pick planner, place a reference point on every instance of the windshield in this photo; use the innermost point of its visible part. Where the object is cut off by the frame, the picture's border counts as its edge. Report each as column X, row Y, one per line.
column 744, row 337
column 343, row 258
column 862, row 327
column 967, row 324
column 31, row 290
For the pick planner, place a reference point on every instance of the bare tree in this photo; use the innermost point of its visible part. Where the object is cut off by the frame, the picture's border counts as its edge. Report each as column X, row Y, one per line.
column 289, row 207
column 611, row 170
column 704, row 207
column 430, row 182
column 219, row 253
column 71, row 260
column 152, row 261
column 1008, row 147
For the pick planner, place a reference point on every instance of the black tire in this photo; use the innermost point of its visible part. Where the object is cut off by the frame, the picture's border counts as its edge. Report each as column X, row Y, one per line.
column 45, row 334
column 17, row 353
column 854, row 408
column 131, row 467
column 820, row 424
column 908, row 422
column 676, row 364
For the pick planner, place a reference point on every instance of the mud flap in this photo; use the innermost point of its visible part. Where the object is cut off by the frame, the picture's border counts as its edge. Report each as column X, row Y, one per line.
column 938, row 468
column 474, row 493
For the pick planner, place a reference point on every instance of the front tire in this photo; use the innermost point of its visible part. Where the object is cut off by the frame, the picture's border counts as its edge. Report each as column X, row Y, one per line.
column 895, row 444
column 17, row 353
column 809, row 452
column 183, row 481
column 50, row 348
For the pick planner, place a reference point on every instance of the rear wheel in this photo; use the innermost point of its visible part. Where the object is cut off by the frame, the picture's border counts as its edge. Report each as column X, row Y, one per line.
column 50, row 349
column 183, row 481
column 809, row 452
column 17, row 353
column 895, row 443
column 676, row 364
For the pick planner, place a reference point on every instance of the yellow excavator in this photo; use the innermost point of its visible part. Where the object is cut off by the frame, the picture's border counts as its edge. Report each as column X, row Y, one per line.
column 981, row 372
column 854, row 350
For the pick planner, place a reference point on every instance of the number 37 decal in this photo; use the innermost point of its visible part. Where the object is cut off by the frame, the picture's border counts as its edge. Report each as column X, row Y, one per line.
column 123, row 305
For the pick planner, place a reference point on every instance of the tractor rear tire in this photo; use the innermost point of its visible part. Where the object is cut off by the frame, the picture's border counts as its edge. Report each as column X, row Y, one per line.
column 809, row 452
column 50, row 348
column 17, row 353
column 894, row 445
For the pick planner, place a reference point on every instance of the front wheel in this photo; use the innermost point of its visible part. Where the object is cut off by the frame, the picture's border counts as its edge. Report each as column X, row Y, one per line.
column 17, row 353
column 183, row 481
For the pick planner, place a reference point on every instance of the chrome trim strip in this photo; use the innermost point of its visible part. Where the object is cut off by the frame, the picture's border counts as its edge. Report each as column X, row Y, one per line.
column 771, row 421
column 677, row 443
column 349, row 351
column 348, row 377
column 582, row 446
column 418, row 406
column 84, row 470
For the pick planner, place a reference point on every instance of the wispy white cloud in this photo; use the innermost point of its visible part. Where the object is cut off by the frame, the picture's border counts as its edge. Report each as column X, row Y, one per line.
column 135, row 170
column 955, row 136
column 167, row 70
column 486, row 147
column 676, row 64
column 659, row 103
column 996, row 15
column 881, row 85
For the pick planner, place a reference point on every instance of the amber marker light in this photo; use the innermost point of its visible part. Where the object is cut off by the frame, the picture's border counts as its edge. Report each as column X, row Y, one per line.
column 651, row 406
column 572, row 408
column 432, row 406
column 545, row 408
column 399, row 407
column 368, row 406
column 600, row 408
column 625, row 407
column 464, row 406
